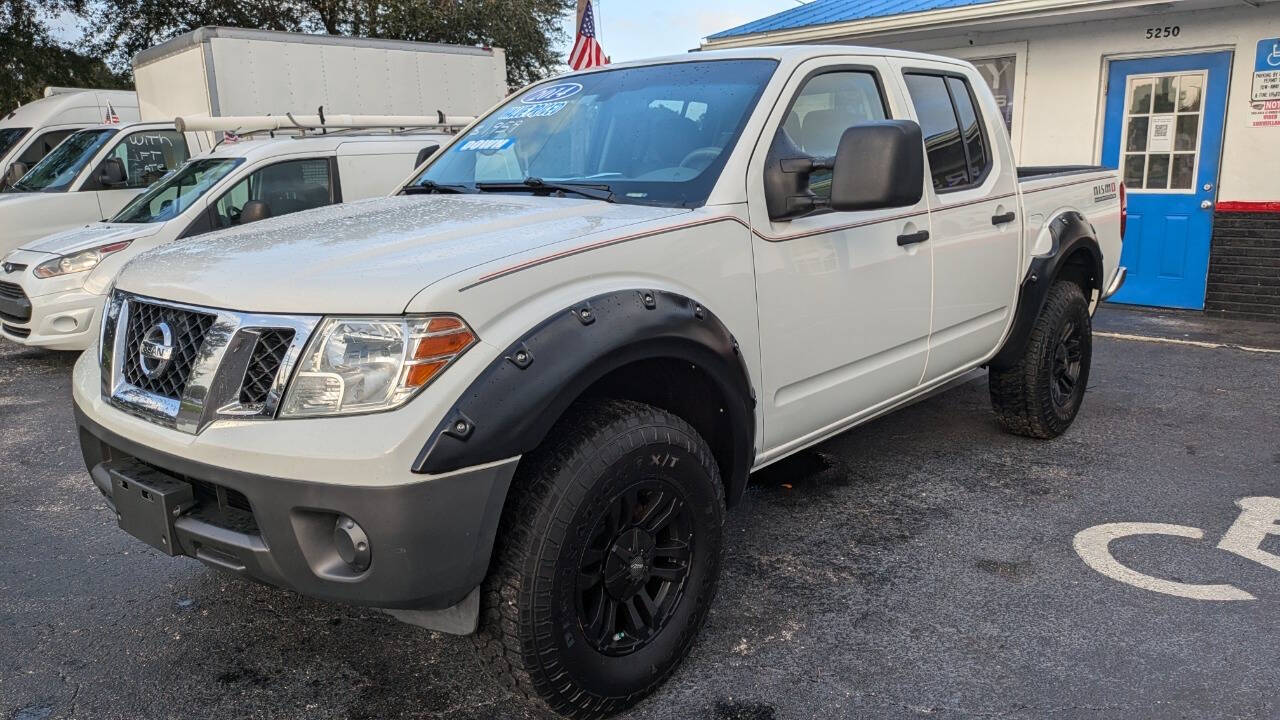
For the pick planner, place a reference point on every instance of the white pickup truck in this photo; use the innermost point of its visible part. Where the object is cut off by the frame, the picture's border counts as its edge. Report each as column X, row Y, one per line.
column 522, row 393
column 52, row 289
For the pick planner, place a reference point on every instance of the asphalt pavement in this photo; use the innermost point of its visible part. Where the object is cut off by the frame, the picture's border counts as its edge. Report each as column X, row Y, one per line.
column 921, row 566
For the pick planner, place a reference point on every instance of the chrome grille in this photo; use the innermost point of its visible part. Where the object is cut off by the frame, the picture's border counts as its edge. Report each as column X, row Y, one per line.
column 220, row 364
column 189, row 330
column 264, row 365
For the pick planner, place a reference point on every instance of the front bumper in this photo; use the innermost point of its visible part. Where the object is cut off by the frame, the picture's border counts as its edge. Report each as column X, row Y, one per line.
column 429, row 540
column 61, row 321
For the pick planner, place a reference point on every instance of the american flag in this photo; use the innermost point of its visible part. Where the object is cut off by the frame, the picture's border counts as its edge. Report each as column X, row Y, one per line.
column 111, row 118
column 586, row 52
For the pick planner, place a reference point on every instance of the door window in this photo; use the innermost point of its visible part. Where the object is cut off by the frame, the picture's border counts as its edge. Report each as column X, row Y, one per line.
column 1161, row 135
column 43, row 145
column 286, row 187
column 959, row 156
column 825, row 107
column 149, row 155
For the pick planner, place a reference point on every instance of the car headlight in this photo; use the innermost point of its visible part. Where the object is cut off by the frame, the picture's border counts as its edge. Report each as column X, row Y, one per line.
column 362, row 364
column 79, row 261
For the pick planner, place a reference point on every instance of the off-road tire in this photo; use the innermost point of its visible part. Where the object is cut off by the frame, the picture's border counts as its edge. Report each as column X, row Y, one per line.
column 532, row 635
column 1024, row 396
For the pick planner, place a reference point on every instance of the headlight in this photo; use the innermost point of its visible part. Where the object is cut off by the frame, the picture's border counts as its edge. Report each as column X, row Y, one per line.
column 359, row 365
column 78, row 262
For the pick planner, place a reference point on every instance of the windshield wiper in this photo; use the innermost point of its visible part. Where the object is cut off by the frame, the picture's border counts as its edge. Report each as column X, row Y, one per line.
column 595, row 191
column 427, row 187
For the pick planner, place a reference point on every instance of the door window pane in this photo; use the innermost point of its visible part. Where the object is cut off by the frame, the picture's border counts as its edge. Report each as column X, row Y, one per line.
column 286, row 187
column 1135, row 169
column 975, row 140
column 149, row 155
column 1189, row 91
column 1137, row 140
column 1164, row 94
column 1184, row 168
column 942, row 140
column 1140, row 92
column 826, row 106
column 1158, row 172
column 1185, row 136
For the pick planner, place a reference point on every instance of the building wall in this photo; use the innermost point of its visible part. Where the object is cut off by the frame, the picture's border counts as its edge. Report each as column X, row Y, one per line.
column 1060, row 89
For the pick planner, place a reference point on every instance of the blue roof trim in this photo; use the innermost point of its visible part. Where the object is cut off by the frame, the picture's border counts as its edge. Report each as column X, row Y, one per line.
column 827, row 12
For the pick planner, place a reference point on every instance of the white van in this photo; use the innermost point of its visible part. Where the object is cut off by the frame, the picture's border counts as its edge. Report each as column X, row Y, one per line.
column 90, row 176
column 28, row 133
column 51, row 290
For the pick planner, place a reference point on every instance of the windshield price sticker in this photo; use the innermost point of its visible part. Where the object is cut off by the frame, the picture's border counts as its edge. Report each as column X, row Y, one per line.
column 487, row 144
column 551, row 93
column 539, row 110
column 1266, row 71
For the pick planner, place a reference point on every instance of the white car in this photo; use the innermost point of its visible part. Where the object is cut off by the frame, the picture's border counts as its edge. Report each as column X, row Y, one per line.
column 90, row 176
column 31, row 131
column 518, row 398
column 52, row 289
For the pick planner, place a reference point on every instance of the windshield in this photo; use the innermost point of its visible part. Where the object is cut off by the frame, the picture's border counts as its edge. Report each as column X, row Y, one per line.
column 10, row 137
column 653, row 135
column 59, row 168
column 171, row 196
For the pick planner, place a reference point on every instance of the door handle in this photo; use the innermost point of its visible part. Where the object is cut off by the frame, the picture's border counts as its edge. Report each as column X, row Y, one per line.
column 1002, row 219
column 913, row 238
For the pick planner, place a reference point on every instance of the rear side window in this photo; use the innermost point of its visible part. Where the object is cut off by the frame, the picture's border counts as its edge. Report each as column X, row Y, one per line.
column 959, row 156
column 286, row 187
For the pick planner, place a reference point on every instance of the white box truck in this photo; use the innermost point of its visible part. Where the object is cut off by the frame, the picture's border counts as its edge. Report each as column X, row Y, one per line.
column 220, row 72
column 30, row 131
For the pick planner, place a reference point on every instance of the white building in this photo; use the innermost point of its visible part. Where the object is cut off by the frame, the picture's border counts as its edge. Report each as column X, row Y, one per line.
column 1183, row 96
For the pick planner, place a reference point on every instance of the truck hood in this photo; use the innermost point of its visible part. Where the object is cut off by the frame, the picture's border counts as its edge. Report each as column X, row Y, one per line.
column 366, row 257
column 90, row 236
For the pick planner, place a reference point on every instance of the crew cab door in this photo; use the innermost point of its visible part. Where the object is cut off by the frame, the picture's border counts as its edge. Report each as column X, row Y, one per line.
column 975, row 232
column 843, row 302
column 145, row 156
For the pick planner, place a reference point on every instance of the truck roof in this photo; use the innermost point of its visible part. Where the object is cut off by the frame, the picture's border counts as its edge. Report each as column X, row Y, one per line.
column 37, row 112
column 203, row 34
column 259, row 147
column 791, row 54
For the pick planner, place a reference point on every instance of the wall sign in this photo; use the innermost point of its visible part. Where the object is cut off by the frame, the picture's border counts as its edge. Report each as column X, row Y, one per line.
column 1265, row 114
column 1266, row 71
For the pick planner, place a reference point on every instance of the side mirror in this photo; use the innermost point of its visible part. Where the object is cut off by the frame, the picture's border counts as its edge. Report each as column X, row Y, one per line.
column 111, row 174
column 15, row 172
column 253, row 211
column 425, row 154
column 877, row 165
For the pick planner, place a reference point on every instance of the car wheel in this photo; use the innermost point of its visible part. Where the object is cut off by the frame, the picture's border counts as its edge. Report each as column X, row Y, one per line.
column 1041, row 394
column 608, row 559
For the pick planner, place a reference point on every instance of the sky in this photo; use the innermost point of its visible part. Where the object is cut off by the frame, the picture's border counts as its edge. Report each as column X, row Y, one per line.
column 634, row 29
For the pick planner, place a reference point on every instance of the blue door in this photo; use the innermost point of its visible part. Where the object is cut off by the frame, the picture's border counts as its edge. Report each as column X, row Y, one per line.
column 1163, row 130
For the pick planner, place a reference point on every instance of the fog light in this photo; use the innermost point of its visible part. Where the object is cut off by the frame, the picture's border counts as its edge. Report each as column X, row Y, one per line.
column 352, row 543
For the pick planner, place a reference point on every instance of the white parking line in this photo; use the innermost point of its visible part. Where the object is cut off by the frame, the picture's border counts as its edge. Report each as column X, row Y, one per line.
column 1193, row 343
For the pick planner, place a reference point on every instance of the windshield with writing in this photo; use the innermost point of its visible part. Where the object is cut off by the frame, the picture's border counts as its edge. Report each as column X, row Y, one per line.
column 653, row 135
column 59, row 168
column 170, row 197
column 10, row 137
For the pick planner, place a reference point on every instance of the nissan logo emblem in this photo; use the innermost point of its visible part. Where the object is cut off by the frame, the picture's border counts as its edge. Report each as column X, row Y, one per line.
column 156, row 350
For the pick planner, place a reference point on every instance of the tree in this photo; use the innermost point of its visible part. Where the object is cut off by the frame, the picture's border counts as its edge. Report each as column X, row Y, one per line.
column 528, row 30
column 30, row 59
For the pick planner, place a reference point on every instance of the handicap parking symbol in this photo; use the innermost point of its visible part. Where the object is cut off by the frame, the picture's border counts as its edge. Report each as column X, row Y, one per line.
column 1268, row 55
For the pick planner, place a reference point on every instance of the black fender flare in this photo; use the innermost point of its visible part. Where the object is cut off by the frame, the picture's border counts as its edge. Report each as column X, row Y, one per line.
column 511, row 405
column 1070, row 231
